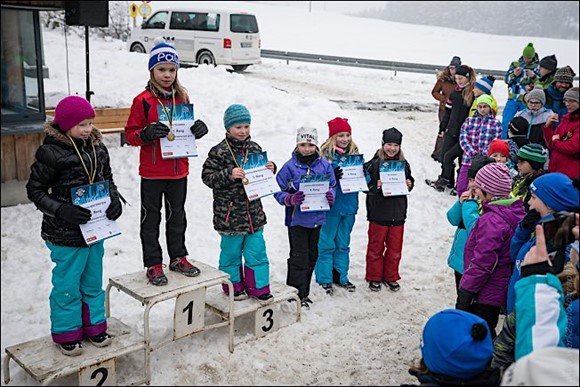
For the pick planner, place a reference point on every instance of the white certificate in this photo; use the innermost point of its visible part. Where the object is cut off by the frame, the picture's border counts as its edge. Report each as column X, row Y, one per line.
column 392, row 175
column 353, row 177
column 261, row 181
column 95, row 197
column 183, row 144
column 315, row 188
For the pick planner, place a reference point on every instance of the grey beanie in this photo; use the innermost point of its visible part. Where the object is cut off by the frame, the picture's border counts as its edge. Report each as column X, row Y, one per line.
column 536, row 93
column 572, row 94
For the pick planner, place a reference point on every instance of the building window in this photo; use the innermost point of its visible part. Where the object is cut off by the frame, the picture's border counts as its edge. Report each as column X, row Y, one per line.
column 22, row 90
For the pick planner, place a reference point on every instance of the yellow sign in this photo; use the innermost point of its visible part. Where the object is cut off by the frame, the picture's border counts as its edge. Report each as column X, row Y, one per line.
column 145, row 10
column 133, row 10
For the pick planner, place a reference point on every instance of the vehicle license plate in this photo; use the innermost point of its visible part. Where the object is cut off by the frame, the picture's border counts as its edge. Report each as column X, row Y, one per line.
column 246, row 44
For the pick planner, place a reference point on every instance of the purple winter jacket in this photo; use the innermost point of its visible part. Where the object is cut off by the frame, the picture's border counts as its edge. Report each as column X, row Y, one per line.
column 288, row 178
column 486, row 259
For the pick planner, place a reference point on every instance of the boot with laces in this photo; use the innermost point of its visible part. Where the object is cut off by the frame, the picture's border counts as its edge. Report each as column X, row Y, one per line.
column 156, row 276
column 182, row 265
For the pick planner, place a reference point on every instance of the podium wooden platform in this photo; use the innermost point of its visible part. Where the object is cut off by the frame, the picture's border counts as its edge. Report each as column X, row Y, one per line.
column 190, row 295
column 44, row 362
column 266, row 317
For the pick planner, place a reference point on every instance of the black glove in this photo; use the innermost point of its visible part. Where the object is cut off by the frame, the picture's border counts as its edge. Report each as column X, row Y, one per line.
column 115, row 209
column 153, row 131
column 531, row 219
column 338, row 172
column 464, row 300
column 199, row 129
column 73, row 214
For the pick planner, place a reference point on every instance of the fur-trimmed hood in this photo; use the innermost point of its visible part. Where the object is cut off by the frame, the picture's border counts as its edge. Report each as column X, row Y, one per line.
column 51, row 129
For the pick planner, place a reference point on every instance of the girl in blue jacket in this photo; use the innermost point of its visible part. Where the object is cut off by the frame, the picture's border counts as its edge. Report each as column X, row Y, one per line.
column 303, row 227
column 334, row 243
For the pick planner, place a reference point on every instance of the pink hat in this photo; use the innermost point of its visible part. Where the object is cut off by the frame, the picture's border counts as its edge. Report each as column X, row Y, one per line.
column 70, row 111
column 338, row 125
column 495, row 180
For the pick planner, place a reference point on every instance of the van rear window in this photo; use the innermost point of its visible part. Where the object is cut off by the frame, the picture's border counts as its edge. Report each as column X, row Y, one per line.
column 195, row 21
column 244, row 23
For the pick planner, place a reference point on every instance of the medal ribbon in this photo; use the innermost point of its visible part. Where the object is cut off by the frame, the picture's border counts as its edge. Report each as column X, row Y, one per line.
column 93, row 172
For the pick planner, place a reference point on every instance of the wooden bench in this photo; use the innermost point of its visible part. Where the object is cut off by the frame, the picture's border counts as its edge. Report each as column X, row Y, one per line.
column 108, row 120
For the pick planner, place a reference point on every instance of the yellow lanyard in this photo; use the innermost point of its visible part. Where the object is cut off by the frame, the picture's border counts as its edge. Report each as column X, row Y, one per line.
column 169, row 119
column 93, row 172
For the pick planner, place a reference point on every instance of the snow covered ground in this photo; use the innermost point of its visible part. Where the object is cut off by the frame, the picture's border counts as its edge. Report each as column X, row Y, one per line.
column 360, row 338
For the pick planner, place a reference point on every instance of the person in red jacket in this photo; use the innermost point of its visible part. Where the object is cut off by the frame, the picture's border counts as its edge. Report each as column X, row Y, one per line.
column 162, row 180
column 564, row 142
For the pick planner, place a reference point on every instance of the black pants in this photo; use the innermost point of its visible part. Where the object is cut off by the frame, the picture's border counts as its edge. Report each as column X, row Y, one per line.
column 152, row 194
column 489, row 313
column 449, row 152
column 458, row 276
column 303, row 256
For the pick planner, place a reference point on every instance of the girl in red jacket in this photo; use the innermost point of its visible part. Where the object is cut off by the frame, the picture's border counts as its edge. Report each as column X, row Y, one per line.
column 564, row 141
column 162, row 180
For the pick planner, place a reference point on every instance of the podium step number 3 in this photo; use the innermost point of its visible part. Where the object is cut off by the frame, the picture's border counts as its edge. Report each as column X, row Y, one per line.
column 267, row 320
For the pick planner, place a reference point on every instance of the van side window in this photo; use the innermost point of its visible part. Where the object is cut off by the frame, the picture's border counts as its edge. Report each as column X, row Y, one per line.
column 157, row 21
column 243, row 23
column 194, row 21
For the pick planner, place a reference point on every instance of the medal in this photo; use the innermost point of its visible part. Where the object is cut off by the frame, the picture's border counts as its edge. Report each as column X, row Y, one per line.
column 171, row 136
column 245, row 181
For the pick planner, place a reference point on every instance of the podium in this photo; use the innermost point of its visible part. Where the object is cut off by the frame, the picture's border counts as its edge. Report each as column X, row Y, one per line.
column 190, row 295
column 44, row 362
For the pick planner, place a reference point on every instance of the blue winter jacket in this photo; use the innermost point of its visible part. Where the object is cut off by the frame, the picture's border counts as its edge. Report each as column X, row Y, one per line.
column 463, row 216
column 288, row 179
column 555, row 102
column 521, row 243
column 344, row 204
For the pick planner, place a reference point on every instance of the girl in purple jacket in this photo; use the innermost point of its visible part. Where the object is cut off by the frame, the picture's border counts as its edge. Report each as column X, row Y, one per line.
column 303, row 227
column 487, row 263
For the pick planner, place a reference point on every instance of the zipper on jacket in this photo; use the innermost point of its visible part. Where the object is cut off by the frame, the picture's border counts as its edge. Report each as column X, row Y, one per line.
column 175, row 167
column 229, row 211
column 153, row 146
column 249, row 216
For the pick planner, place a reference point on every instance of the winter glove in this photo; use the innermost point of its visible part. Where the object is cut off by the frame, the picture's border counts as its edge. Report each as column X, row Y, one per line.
column 330, row 197
column 115, row 209
column 464, row 300
column 294, row 199
column 338, row 172
column 153, row 131
column 198, row 129
column 73, row 214
column 530, row 220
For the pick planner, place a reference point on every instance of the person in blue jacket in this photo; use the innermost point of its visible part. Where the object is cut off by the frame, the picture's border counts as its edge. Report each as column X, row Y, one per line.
column 334, row 243
column 303, row 226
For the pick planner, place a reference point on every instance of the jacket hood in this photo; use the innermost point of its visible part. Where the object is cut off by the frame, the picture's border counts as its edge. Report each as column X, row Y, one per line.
column 510, row 210
column 51, row 130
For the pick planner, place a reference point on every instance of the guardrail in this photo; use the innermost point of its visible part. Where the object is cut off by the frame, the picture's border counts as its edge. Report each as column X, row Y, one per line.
column 367, row 63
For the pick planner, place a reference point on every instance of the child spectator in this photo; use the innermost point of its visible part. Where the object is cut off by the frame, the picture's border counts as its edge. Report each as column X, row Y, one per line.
column 303, row 227
column 531, row 160
column 456, row 350
column 162, row 180
column 483, row 287
column 481, row 87
column 239, row 221
column 475, row 136
column 520, row 78
column 441, row 92
column 536, row 115
column 334, row 243
column 386, row 216
column 564, row 141
column 463, row 215
column 71, row 155
column 548, row 67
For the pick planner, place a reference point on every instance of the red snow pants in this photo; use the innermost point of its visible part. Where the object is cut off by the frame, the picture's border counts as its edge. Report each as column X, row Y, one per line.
column 384, row 252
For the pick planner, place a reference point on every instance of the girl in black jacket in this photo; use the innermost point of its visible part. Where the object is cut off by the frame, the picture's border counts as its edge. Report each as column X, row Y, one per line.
column 73, row 155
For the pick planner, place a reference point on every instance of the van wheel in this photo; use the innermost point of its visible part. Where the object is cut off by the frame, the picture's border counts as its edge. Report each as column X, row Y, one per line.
column 137, row 47
column 206, row 57
column 240, row 68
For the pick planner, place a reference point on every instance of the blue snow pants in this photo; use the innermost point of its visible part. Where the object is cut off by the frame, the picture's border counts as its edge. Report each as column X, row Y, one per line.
column 254, row 275
column 334, row 248
column 77, row 299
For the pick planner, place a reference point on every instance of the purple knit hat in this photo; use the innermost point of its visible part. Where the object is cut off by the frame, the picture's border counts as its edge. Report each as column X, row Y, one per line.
column 495, row 180
column 70, row 111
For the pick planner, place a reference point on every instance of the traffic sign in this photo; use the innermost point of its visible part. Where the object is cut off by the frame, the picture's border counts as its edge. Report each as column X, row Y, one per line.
column 145, row 10
column 133, row 10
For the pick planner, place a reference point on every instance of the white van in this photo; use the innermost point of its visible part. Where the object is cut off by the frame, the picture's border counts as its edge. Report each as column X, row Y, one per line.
column 214, row 37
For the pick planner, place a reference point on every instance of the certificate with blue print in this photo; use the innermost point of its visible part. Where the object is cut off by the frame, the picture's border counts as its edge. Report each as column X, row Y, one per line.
column 315, row 188
column 353, row 177
column 95, row 197
column 261, row 181
column 392, row 175
column 180, row 142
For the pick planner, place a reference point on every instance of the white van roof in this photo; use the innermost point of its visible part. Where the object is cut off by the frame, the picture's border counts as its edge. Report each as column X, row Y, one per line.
column 202, row 9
